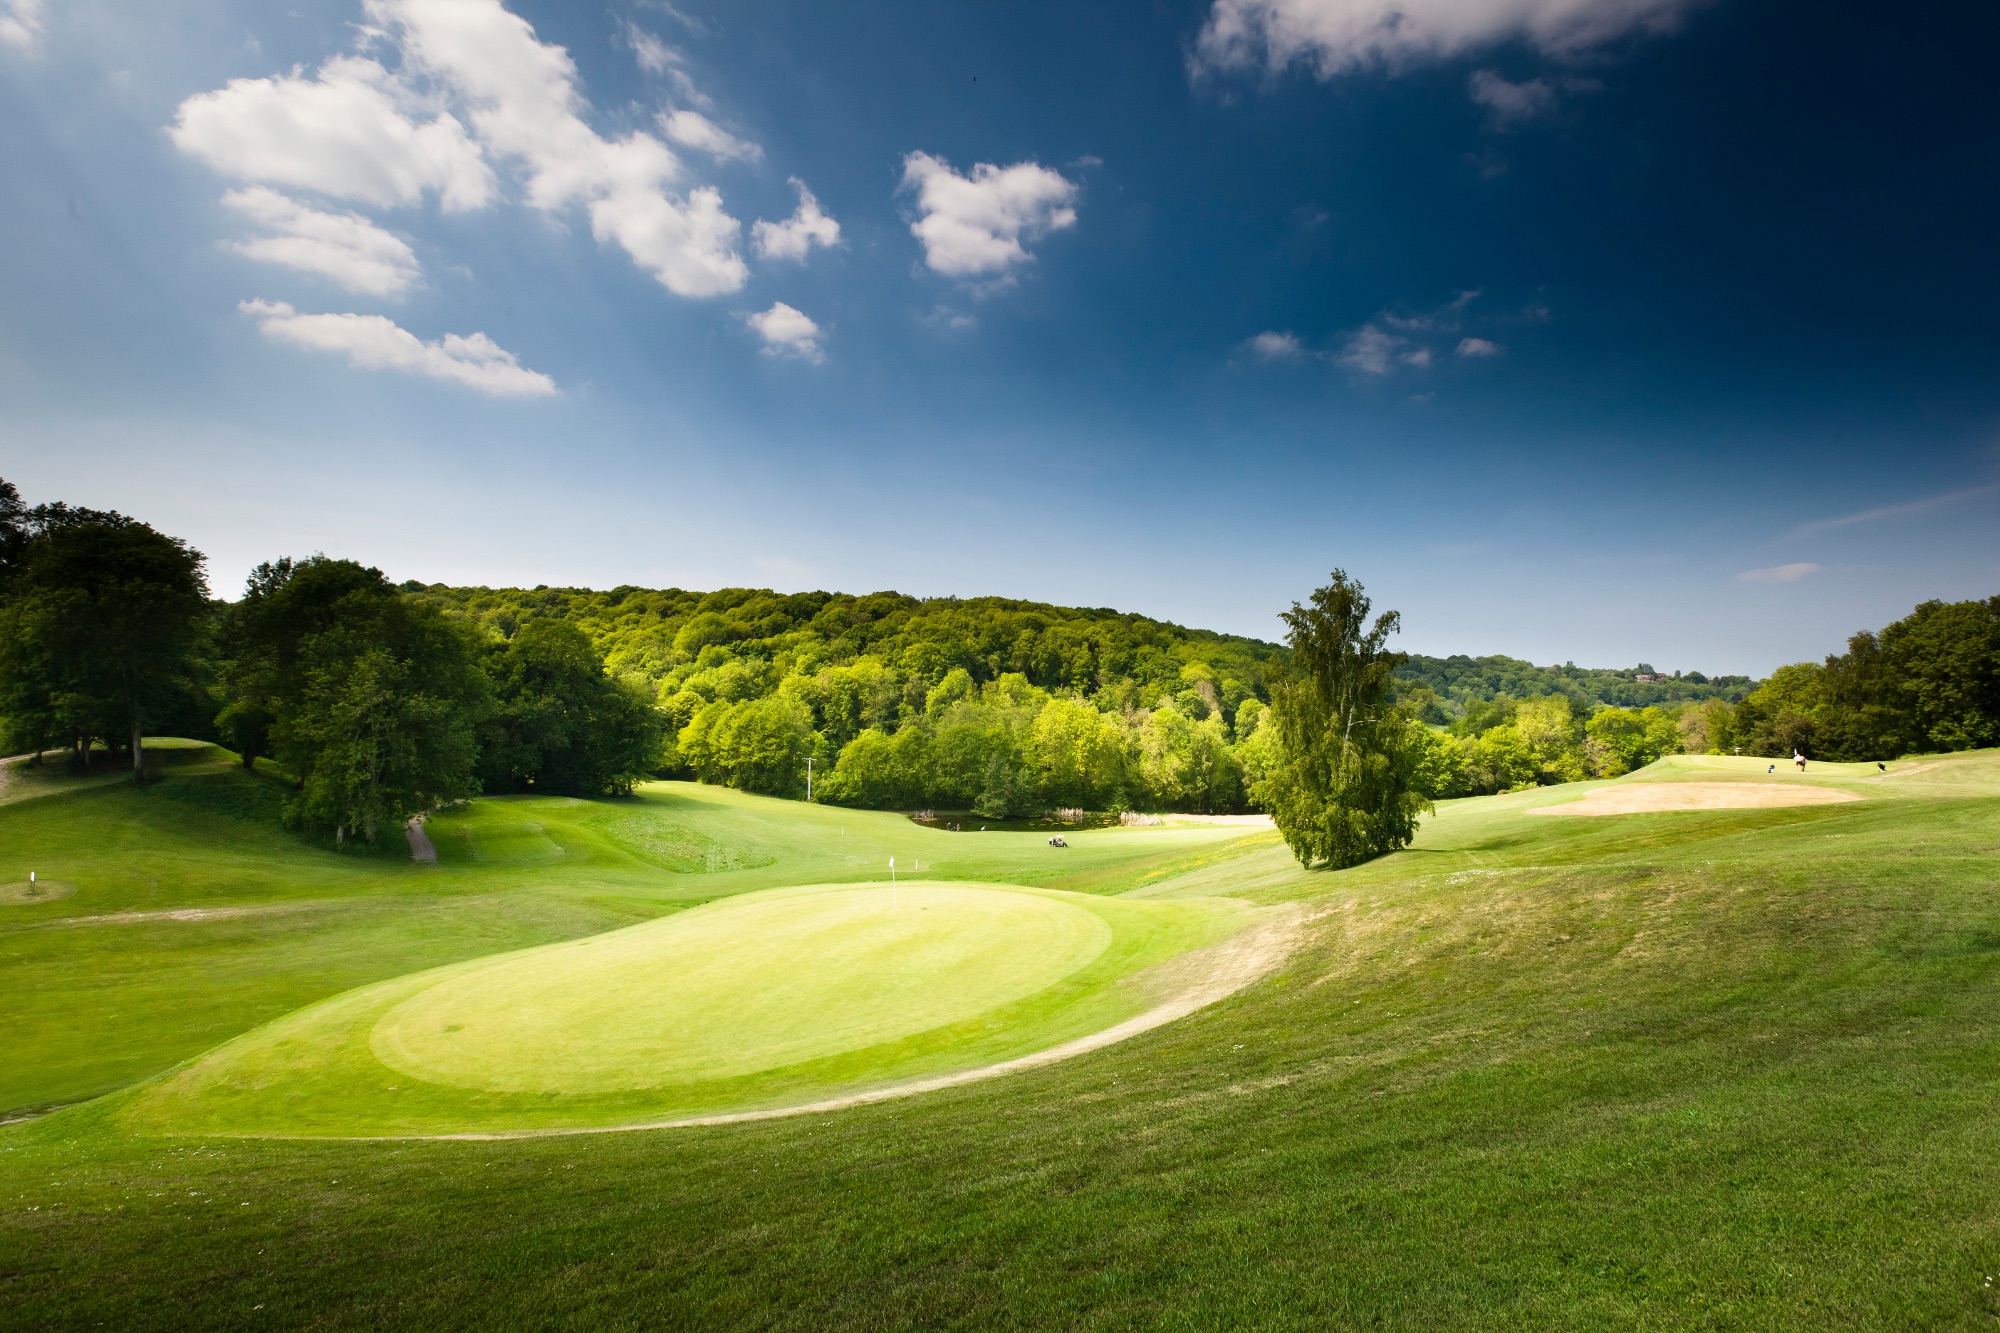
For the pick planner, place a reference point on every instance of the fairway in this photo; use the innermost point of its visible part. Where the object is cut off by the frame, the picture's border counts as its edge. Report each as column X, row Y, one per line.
column 744, row 986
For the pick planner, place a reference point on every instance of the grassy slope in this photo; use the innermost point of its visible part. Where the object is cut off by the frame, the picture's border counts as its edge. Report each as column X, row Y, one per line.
column 104, row 990
column 1689, row 1070
column 340, row 1069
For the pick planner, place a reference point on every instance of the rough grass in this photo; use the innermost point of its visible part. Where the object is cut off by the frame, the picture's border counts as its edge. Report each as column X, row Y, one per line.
column 1688, row 1070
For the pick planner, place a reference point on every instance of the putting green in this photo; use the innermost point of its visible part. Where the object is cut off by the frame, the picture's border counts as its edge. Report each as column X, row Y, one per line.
column 736, row 989
column 755, row 1002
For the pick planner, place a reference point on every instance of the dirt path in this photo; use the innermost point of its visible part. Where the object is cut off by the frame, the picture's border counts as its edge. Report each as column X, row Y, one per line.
column 179, row 914
column 1204, row 976
column 422, row 849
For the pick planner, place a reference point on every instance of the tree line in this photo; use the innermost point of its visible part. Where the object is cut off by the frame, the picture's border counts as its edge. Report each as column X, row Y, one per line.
column 375, row 701
column 1357, row 758
column 371, row 705
column 992, row 706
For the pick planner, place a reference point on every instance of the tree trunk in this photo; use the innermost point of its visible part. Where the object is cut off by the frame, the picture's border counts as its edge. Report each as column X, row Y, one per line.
column 138, row 755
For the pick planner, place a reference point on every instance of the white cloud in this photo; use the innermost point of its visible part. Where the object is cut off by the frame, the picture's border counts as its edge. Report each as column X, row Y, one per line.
column 372, row 342
column 796, row 235
column 1334, row 36
column 952, row 321
column 1445, row 318
column 1419, row 358
column 1509, row 104
column 660, row 60
column 654, row 56
column 1478, row 347
column 691, row 129
column 20, row 22
column 787, row 332
column 345, row 247
column 1907, row 509
column 352, row 132
column 1368, row 350
column 1275, row 346
column 973, row 225
column 522, row 100
column 1780, row 573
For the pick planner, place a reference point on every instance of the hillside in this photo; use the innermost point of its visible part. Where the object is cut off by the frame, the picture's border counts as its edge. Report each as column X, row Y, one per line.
column 1108, row 655
column 1459, row 680
column 659, row 636
column 1725, row 1068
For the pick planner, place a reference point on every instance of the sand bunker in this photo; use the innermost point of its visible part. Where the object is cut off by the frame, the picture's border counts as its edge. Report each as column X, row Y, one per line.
column 1643, row 798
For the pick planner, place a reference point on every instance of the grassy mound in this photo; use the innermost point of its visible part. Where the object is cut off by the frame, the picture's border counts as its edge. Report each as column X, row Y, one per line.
column 772, row 999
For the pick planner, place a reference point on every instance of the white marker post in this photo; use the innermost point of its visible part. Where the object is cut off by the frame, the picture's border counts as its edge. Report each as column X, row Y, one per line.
column 809, row 779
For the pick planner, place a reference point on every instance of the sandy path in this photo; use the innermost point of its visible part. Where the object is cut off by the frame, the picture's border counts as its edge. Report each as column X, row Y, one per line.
column 178, row 914
column 422, row 849
column 1655, row 797
column 1205, row 976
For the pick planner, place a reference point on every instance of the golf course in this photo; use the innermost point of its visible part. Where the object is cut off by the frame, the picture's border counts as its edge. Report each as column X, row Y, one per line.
column 1721, row 1056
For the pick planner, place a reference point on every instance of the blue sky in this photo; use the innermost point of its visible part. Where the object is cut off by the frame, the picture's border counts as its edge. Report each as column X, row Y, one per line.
column 1593, row 330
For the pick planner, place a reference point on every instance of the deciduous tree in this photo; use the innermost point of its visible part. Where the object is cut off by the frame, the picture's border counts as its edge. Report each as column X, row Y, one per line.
column 1345, row 788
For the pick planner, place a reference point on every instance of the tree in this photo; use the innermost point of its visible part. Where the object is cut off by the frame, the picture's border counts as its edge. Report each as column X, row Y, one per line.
column 103, row 624
column 1945, row 658
column 1344, row 789
column 371, row 700
column 285, row 604
column 560, row 724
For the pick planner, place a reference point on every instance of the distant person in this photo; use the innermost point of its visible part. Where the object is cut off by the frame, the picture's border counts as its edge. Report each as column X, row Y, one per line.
column 1884, row 767
column 1799, row 758
column 1771, row 768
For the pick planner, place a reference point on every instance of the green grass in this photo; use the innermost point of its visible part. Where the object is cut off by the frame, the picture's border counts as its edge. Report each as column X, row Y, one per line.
column 767, row 1000
column 105, row 987
column 1721, row 1070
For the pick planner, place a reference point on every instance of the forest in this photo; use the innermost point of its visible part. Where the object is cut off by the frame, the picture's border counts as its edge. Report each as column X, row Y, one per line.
column 376, row 701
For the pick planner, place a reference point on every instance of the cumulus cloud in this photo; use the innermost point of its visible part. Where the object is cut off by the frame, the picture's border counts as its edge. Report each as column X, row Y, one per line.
column 1509, row 104
column 691, row 129
column 1368, row 351
column 20, row 22
column 521, row 98
column 1335, row 36
column 1780, row 573
column 352, row 131
column 1275, row 346
column 373, row 342
column 787, row 332
column 345, row 247
column 356, row 131
column 972, row 225
column 1478, row 347
column 796, row 235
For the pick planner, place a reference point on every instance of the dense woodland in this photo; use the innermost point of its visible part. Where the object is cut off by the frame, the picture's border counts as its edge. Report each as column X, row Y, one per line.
column 375, row 701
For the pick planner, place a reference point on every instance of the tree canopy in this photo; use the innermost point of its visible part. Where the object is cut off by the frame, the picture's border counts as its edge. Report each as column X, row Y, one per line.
column 102, row 626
